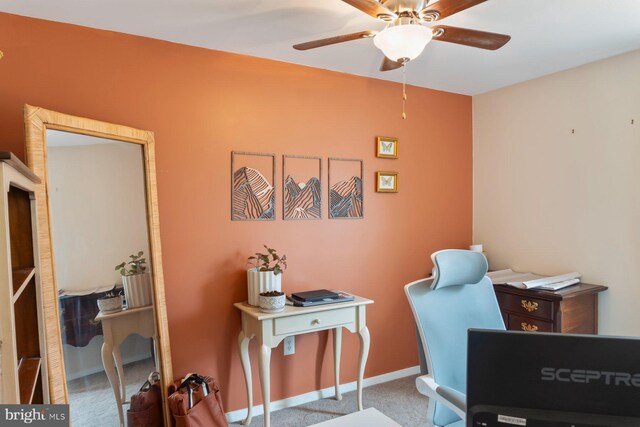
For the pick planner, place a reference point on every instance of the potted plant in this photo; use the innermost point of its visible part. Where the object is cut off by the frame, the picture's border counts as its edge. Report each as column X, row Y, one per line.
column 272, row 301
column 110, row 302
column 136, row 281
column 266, row 274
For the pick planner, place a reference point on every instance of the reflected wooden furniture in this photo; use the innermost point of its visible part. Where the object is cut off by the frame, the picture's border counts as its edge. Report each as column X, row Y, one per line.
column 570, row 310
column 116, row 327
column 271, row 328
column 77, row 317
column 22, row 340
column 37, row 121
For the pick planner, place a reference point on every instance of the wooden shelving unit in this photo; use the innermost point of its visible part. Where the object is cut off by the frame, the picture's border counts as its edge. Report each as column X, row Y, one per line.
column 21, row 278
column 23, row 368
column 28, row 372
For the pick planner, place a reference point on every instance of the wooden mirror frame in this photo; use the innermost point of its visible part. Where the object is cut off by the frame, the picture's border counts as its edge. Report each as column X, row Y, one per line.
column 37, row 121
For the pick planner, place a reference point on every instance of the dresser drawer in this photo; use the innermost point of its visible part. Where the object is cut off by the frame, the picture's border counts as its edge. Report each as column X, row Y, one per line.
column 308, row 322
column 526, row 305
column 528, row 324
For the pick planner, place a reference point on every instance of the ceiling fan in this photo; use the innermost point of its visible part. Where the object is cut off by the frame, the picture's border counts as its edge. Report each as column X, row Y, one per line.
column 404, row 38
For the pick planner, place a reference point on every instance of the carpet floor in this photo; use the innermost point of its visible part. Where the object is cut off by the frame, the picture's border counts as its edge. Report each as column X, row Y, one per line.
column 398, row 400
column 92, row 403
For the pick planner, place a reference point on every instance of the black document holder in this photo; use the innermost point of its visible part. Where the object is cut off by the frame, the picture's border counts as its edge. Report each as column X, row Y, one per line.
column 316, row 295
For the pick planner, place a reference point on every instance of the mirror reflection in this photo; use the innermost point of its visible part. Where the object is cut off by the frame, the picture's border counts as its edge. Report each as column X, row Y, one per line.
column 103, row 273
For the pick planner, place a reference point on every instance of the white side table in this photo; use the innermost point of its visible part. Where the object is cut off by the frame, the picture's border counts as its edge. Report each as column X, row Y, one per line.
column 271, row 328
column 116, row 327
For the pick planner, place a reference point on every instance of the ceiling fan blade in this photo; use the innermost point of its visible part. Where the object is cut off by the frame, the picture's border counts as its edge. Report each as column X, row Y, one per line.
column 388, row 65
column 446, row 8
column 333, row 40
column 473, row 38
column 372, row 8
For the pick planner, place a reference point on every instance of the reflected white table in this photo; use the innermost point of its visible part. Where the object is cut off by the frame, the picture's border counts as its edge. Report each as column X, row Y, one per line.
column 271, row 328
column 116, row 327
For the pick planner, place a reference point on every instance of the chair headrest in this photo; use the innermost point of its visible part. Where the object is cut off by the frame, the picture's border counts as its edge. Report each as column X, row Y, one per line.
column 455, row 267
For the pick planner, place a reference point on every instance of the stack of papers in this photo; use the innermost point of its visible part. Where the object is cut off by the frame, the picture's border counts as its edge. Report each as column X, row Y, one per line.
column 530, row 280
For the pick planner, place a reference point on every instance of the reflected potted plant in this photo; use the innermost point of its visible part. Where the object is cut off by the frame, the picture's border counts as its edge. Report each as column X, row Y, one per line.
column 111, row 302
column 265, row 275
column 136, row 281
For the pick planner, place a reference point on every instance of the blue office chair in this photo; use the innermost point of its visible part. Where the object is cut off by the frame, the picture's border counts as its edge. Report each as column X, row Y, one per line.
column 458, row 297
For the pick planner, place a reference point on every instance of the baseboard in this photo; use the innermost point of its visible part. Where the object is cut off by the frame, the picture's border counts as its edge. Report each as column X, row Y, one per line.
column 289, row 402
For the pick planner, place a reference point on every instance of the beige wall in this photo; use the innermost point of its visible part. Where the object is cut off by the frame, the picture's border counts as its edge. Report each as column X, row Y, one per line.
column 98, row 212
column 551, row 201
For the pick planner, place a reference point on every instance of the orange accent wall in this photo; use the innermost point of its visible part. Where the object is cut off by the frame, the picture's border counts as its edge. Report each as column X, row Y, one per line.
column 202, row 104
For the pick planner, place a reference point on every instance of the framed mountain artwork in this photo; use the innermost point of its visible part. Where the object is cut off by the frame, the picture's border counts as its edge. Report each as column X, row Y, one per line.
column 253, row 193
column 302, row 187
column 345, row 188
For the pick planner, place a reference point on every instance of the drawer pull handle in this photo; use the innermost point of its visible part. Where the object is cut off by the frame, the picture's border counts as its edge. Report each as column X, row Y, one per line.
column 529, row 306
column 528, row 328
column 315, row 322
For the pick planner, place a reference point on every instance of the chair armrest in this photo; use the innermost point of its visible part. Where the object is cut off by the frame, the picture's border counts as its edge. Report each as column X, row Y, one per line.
column 447, row 396
column 453, row 396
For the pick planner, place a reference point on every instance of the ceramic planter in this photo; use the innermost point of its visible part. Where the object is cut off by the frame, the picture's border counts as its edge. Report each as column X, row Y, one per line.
column 261, row 281
column 110, row 305
column 272, row 304
column 137, row 290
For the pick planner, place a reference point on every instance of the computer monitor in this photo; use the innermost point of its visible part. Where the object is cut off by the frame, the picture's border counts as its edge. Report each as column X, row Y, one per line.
column 544, row 379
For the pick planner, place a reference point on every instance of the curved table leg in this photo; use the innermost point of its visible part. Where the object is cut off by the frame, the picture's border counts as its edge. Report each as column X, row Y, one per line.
column 123, row 386
column 265, row 365
column 155, row 353
column 110, row 370
column 243, row 346
column 337, row 347
column 362, row 361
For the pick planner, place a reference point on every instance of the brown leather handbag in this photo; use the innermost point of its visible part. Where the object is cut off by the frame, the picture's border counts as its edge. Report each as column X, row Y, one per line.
column 146, row 405
column 197, row 403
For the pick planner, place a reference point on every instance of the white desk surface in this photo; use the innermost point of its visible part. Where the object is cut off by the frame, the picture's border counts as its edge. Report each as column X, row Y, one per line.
column 290, row 310
column 370, row 417
column 123, row 312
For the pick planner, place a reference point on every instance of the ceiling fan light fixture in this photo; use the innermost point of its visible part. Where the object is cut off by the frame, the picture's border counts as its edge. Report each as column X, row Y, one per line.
column 403, row 42
column 386, row 17
column 429, row 15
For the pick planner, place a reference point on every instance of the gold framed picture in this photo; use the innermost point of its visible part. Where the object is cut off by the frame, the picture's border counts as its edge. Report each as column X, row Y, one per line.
column 386, row 182
column 386, row 147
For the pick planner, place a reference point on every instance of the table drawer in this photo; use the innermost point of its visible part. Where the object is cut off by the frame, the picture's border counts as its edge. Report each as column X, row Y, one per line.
column 526, row 305
column 528, row 324
column 308, row 322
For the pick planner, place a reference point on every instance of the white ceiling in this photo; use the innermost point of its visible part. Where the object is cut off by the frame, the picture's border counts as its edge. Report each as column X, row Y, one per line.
column 547, row 35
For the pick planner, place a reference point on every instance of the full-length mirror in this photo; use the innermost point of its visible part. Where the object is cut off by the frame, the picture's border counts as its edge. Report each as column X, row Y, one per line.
column 101, row 272
column 98, row 219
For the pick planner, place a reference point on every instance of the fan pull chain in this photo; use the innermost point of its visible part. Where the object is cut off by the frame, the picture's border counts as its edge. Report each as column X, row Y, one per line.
column 404, row 91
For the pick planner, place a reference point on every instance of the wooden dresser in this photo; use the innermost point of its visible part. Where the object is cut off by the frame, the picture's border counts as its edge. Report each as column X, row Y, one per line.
column 570, row 310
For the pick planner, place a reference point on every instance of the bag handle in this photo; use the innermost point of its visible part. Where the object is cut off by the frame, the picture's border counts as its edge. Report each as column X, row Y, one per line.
column 152, row 379
column 197, row 379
